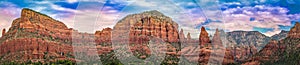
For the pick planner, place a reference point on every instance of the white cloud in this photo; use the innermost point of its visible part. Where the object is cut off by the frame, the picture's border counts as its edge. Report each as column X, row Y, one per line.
column 59, row 8
column 72, row 1
column 8, row 14
column 265, row 17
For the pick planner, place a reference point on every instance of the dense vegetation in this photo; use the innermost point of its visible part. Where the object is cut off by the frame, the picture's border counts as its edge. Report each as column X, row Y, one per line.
column 290, row 56
column 64, row 62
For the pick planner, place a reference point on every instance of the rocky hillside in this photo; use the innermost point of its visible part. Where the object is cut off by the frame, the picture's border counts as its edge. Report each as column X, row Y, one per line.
column 283, row 34
column 103, row 36
column 294, row 32
column 138, row 29
column 282, row 52
column 247, row 38
column 290, row 48
column 35, row 36
column 32, row 24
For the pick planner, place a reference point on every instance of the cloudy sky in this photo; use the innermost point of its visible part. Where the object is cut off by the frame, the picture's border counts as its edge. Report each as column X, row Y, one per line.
column 266, row 16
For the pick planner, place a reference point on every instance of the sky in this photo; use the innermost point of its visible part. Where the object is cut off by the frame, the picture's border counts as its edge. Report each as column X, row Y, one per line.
column 266, row 16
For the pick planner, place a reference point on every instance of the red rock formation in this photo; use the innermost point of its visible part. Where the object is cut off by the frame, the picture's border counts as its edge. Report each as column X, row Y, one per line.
column 216, row 41
column 295, row 31
column 151, row 23
column 269, row 52
column 36, row 36
column 3, row 32
column 205, row 50
column 181, row 35
column 252, row 63
column 35, row 24
column 29, row 16
column 189, row 36
column 207, row 54
column 103, row 36
column 33, row 48
column 203, row 38
column 228, row 57
column 138, row 29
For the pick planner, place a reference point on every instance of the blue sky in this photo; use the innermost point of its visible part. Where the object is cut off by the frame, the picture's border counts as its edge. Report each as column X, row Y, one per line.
column 266, row 16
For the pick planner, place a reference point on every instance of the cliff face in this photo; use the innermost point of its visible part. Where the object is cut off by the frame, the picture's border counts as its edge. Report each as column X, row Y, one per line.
column 36, row 36
column 270, row 51
column 294, row 32
column 3, row 32
column 33, row 19
column 289, row 47
column 33, row 24
column 149, row 23
column 103, row 36
column 216, row 41
column 138, row 29
column 203, row 37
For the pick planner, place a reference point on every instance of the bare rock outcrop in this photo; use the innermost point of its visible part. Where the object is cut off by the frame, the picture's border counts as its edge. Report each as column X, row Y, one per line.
column 203, row 37
column 3, row 32
column 103, row 36
column 295, row 31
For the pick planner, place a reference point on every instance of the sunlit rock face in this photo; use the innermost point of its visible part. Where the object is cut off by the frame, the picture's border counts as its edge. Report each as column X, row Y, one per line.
column 3, row 31
column 203, row 37
column 36, row 36
column 152, row 23
column 295, row 31
column 103, row 36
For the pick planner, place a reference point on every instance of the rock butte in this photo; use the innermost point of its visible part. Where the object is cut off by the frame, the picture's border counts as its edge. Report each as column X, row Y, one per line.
column 35, row 36
column 203, row 37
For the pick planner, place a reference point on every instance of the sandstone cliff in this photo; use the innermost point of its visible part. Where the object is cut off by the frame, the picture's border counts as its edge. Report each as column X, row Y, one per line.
column 216, row 41
column 149, row 23
column 3, row 32
column 203, row 37
column 36, row 36
column 294, row 32
column 103, row 36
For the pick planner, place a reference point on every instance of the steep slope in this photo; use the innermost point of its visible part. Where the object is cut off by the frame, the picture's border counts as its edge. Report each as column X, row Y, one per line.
column 294, row 31
column 291, row 48
column 283, row 52
column 35, row 36
column 139, row 29
column 248, row 38
column 283, row 34
column 149, row 23
column 203, row 37
column 244, row 44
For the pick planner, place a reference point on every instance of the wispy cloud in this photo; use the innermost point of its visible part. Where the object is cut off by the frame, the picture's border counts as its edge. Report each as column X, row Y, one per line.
column 266, row 16
column 8, row 13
